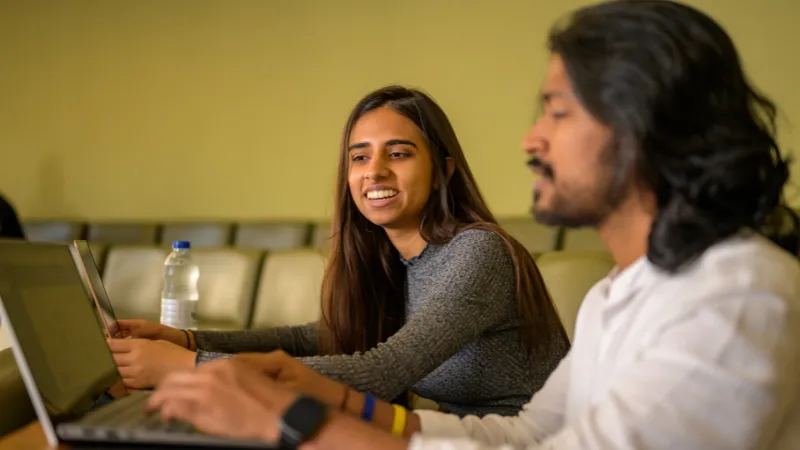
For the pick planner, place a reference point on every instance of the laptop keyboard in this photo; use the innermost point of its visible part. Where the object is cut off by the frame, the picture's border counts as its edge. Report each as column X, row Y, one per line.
column 129, row 413
column 125, row 420
column 154, row 422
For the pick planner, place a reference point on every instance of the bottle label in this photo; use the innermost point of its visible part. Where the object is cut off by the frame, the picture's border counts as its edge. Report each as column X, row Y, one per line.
column 179, row 313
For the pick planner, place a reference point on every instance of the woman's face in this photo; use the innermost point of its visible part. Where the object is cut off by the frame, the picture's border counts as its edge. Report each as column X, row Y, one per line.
column 390, row 170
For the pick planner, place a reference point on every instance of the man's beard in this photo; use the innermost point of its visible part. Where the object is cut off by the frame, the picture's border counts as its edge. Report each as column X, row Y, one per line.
column 575, row 207
column 562, row 214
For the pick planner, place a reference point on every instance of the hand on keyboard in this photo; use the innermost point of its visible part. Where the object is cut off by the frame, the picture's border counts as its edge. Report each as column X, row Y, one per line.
column 226, row 398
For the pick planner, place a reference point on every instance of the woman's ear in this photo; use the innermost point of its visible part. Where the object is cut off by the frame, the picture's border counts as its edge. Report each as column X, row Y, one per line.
column 451, row 167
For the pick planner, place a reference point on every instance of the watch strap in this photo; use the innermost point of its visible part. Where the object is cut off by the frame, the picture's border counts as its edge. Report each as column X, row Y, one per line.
column 301, row 421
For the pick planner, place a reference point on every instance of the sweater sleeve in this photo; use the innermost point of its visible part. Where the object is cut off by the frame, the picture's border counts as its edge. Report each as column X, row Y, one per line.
column 469, row 295
column 296, row 341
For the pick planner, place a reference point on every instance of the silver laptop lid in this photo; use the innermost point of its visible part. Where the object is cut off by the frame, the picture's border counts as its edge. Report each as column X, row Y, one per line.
column 93, row 283
column 56, row 338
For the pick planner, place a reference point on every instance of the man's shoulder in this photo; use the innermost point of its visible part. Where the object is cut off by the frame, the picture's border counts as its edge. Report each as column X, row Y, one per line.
column 744, row 264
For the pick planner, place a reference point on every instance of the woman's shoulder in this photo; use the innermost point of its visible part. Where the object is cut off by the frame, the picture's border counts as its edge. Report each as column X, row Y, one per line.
column 475, row 262
column 477, row 244
column 477, row 237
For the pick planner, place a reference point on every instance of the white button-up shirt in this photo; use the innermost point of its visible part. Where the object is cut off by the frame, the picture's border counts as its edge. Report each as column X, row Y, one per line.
column 708, row 358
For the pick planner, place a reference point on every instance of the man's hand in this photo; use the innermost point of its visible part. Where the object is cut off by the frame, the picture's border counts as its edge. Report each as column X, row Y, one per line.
column 226, row 398
column 297, row 376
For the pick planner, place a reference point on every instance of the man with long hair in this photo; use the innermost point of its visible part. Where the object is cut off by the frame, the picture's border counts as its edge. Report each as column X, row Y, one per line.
column 652, row 135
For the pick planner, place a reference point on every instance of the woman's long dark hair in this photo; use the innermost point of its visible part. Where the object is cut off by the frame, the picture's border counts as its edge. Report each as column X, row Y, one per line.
column 363, row 289
column 690, row 127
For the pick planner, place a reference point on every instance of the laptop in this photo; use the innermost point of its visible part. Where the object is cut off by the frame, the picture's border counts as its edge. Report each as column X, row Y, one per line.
column 93, row 284
column 63, row 358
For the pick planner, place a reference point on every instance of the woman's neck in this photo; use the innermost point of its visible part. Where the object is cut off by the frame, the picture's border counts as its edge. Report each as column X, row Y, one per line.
column 409, row 243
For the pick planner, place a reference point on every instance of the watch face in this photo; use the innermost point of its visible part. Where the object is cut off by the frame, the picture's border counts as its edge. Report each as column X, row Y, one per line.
column 302, row 421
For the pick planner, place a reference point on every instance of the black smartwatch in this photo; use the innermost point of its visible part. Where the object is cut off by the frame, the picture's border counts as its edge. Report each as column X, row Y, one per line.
column 301, row 421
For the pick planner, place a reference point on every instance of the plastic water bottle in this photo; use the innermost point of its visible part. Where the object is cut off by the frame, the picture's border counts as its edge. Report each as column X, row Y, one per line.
column 179, row 298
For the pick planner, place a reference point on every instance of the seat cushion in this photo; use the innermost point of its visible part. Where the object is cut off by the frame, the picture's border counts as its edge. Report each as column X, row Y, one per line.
column 289, row 289
column 568, row 276
column 201, row 235
column 272, row 236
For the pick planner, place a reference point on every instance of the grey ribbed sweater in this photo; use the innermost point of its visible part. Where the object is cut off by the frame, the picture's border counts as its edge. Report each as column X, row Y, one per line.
column 459, row 346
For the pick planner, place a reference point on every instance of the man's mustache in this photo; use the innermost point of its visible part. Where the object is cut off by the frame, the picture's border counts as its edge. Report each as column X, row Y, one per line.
column 541, row 166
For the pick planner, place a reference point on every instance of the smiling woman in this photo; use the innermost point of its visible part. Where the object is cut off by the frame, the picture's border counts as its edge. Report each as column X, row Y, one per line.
column 423, row 290
column 390, row 174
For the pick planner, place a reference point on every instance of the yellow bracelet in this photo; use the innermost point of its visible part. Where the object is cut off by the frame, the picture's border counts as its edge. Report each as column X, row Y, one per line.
column 399, row 424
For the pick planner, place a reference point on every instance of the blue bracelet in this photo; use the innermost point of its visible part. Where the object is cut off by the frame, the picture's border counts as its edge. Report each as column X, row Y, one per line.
column 369, row 407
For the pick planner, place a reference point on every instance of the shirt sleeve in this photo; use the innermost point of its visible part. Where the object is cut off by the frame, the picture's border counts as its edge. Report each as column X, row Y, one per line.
column 542, row 416
column 690, row 389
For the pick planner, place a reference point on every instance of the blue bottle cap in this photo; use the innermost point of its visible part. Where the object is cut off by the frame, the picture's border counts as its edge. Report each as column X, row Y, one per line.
column 181, row 245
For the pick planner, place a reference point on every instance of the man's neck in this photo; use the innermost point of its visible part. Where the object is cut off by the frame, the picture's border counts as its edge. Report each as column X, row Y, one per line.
column 408, row 242
column 626, row 231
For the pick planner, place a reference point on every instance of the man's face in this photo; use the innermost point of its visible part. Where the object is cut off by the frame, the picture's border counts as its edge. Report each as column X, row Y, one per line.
column 571, row 151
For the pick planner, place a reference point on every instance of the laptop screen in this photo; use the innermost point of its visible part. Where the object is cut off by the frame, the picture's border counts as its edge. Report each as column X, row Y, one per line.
column 55, row 326
column 93, row 284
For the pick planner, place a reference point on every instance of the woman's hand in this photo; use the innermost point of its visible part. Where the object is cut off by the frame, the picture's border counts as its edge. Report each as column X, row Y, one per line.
column 295, row 375
column 226, row 398
column 144, row 363
column 143, row 329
